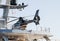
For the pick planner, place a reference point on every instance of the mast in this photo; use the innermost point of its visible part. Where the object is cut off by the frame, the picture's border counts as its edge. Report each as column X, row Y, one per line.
column 7, row 7
column 5, row 14
column 6, row 11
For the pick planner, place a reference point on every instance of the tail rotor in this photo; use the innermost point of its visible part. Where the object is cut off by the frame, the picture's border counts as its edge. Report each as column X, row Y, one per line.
column 36, row 18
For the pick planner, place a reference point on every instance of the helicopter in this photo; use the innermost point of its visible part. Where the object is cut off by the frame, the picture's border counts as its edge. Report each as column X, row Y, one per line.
column 21, row 23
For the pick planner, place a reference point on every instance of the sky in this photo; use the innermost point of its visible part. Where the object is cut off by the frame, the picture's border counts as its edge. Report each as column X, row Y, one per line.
column 49, row 14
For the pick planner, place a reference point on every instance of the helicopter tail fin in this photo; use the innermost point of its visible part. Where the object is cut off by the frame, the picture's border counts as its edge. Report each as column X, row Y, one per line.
column 36, row 17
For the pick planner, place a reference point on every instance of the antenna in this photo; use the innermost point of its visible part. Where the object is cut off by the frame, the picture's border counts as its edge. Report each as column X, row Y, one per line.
column 8, row 2
column 0, row 1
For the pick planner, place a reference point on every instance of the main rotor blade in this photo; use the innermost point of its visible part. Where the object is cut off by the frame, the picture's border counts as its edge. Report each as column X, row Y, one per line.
column 12, row 20
column 22, row 17
column 12, row 17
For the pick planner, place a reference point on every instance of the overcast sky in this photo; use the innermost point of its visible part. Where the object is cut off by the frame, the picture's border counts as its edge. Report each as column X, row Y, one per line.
column 49, row 13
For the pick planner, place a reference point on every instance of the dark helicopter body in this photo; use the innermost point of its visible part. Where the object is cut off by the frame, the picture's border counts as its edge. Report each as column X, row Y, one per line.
column 22, row 23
